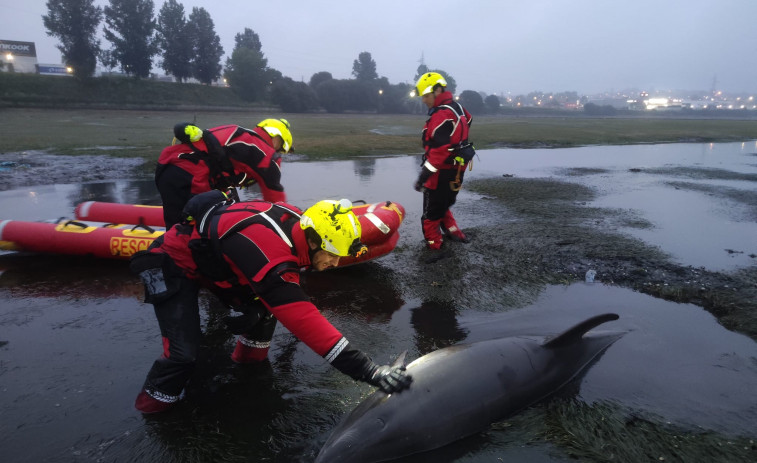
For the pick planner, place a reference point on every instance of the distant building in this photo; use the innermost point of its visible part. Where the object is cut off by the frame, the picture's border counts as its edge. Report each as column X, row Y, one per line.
column 21, row 57
column 18, row 56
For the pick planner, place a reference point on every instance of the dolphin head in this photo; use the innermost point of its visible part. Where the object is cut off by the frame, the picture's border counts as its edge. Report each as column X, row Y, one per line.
column 368, row 432
column 363, row 430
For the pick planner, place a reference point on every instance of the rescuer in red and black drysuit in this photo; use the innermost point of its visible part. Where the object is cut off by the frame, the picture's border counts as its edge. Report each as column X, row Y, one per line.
column 249, row 254
column 447, row 154
column 222, row 158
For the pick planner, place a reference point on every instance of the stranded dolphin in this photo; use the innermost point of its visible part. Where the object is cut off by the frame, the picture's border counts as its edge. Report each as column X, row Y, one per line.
column 460, row 390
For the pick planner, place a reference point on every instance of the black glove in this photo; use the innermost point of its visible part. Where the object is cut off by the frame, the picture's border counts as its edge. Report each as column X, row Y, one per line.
column 424, row 175
column 389, row 379
column 240, row 324
column 243, row 324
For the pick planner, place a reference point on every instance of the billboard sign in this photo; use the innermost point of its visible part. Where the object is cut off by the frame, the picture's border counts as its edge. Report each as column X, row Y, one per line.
column 52, row 69
column 18, row 48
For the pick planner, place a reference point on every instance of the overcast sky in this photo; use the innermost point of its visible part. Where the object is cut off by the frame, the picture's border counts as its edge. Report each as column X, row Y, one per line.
column 494, row 46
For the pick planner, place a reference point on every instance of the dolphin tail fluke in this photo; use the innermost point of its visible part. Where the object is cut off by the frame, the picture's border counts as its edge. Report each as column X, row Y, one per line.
column 400, row 362
column 576, row 333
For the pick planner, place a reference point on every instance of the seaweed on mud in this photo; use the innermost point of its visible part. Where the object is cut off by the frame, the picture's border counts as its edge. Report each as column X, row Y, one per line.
column 606, row 432
column 542, row 231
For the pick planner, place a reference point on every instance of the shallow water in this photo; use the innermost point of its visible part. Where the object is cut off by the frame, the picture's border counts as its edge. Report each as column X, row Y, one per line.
column 76, row 341
column 696, row 227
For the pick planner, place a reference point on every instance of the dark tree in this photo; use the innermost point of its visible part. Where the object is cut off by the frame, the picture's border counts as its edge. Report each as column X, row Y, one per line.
column 272, row 75
column 246, row 70
column 364, row 68
column 422, row 69
column 74, row 23
column 331, row 95
column 319, row 77
column 293, row 97
column 492, row 104
column 174, row 41
column 472, row 101
column 338, row 95
column 248, row 39
column 206, row 46
column 594, row 109
column 131, row 30
column 108, row 60
column 393, row 99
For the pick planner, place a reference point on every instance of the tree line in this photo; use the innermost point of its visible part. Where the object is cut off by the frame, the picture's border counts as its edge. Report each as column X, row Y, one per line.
column 187, row 47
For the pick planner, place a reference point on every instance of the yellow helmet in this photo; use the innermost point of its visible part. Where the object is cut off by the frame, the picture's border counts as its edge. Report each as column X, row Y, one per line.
column 427, row 82
column 278, row 127
column 336, row 225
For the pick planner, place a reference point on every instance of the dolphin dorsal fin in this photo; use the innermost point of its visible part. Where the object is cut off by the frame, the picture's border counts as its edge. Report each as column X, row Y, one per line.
column 400, row 362
column 577, row 332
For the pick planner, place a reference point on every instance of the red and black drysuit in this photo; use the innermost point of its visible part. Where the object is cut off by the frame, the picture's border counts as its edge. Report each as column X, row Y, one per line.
column 226, row 157
column 441, row 176
column 257, row 250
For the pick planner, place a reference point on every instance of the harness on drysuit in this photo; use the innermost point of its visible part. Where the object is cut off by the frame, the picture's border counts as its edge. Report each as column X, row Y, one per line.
column 207, row 209
column 215, row 157
column 162, row 277
column 461, row 153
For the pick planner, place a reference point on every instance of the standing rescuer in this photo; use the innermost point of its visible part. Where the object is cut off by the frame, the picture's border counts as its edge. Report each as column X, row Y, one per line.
column 222, row 158
column 447, row 154
column 249, row 254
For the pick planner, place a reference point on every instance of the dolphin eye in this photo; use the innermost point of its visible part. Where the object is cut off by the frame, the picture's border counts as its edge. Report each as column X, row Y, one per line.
column 381, row 423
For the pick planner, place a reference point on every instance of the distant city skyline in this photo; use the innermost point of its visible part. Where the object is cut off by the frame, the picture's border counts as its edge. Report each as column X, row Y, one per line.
column 516, row 47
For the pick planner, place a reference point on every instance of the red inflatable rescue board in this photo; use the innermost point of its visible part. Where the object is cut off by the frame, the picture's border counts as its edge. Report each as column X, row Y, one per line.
column 123, row 229
column 96, row 211
column 76, row 238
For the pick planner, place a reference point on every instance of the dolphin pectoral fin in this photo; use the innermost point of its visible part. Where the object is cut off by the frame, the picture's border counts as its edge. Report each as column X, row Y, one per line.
column 576, row 333
column 400, row 362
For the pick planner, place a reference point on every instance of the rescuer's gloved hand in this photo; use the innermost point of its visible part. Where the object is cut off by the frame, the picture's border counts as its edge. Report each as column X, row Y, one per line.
column 424, row 175
column 246, row 321
column 389, row 379
column 241, row 324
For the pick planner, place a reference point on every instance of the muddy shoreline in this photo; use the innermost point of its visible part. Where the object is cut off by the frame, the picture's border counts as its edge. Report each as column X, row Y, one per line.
column 29, row 168
column 538, row 231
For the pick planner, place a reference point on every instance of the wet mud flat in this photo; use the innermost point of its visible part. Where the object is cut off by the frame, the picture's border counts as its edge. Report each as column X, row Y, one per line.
column 541, row 231
column 28, row 168
column 527, row 234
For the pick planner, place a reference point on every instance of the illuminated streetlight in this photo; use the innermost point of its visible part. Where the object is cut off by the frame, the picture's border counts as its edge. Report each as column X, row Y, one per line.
column 9, row 56
column 381, row 92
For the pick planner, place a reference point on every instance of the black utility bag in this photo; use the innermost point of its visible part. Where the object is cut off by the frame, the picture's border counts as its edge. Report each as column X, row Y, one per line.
column 159, row 274
column 464, row 150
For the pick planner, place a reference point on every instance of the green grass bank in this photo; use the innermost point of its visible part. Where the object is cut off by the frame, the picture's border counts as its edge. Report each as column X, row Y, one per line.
column 135, row 118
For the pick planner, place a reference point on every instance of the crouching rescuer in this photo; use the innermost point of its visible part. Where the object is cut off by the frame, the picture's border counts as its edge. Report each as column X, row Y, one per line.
column 249, row 254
